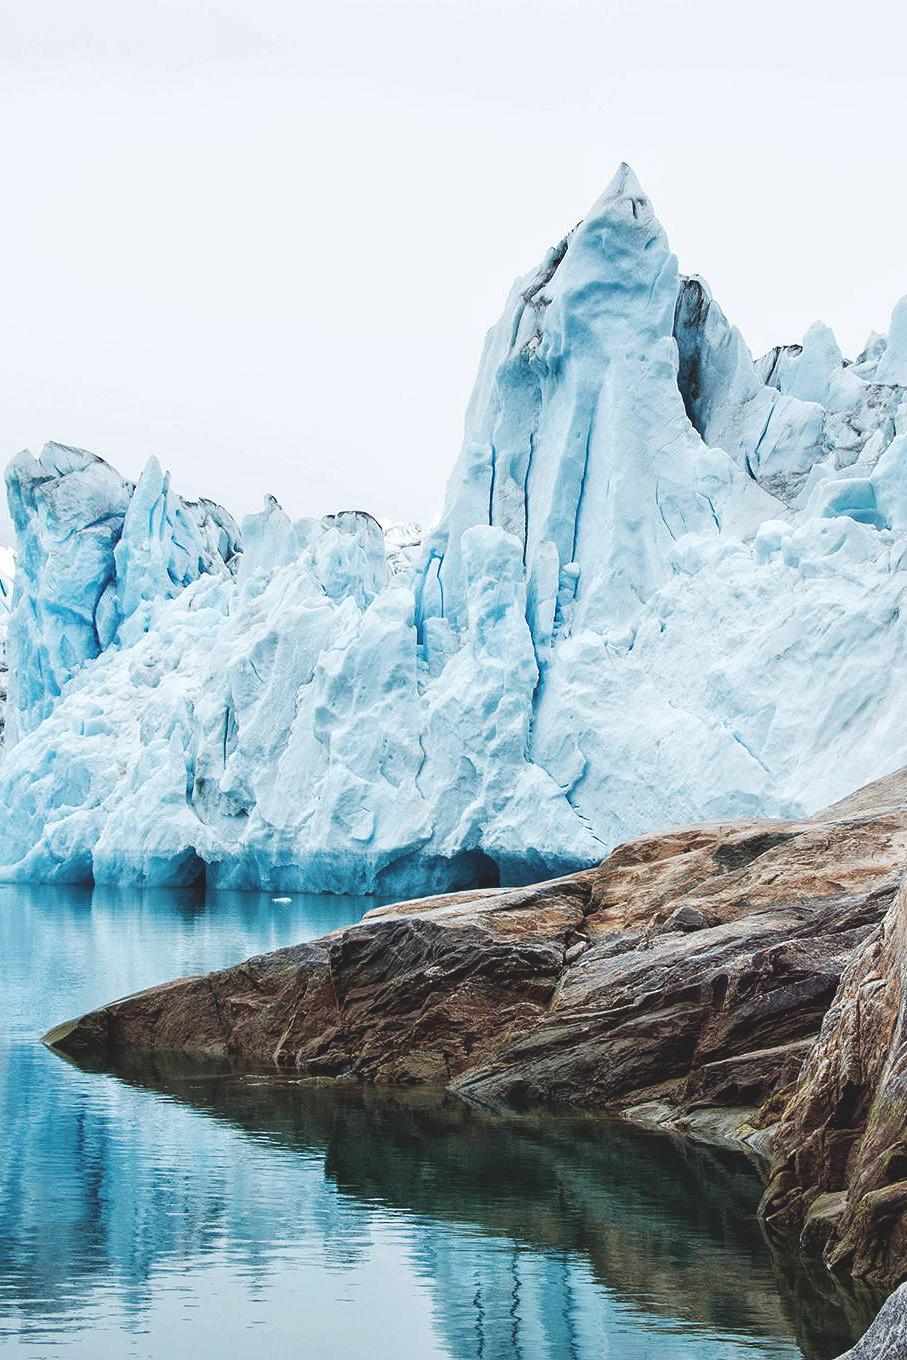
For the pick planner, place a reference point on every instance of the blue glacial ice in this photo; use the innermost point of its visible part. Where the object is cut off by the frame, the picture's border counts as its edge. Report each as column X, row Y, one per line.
column 7, row 574
column 93, row 551
column 667, row 584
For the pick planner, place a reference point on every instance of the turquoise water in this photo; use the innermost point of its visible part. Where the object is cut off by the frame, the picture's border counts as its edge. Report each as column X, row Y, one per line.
column 171, row 1216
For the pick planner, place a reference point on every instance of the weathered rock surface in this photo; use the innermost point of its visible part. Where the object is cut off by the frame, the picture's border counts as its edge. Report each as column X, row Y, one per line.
column 737, row 981
column 840, row 1166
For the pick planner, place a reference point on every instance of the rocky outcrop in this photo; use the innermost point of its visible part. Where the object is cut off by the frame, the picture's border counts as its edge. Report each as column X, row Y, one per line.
column 405, row 997
column 840, row 1165
column 737, row 981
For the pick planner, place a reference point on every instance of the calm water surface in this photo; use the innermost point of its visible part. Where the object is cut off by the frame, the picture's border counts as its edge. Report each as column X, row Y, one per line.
column 163, row 1215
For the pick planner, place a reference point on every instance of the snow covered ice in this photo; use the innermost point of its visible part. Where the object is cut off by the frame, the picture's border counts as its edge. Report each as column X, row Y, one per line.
column 667, row 584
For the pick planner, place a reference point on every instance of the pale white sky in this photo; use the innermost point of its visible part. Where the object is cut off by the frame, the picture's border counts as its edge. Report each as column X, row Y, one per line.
column 264, row 240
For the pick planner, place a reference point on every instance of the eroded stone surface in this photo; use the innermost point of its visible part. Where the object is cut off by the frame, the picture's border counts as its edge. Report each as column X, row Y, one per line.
column 840, row 1170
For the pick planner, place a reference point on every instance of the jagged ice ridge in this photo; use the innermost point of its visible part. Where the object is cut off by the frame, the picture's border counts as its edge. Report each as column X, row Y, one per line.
column 667, row 585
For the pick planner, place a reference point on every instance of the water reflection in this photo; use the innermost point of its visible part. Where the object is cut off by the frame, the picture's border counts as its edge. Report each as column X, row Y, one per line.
column 148, row 1213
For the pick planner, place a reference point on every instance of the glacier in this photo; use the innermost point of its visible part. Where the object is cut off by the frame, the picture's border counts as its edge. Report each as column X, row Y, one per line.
column 7, row 576
column 667, row 584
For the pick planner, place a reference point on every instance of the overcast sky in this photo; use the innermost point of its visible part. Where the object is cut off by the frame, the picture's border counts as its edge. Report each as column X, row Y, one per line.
column 264, row 240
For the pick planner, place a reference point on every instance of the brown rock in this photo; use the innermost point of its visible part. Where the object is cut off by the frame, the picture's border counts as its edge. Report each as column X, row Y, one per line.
column 844, row 1128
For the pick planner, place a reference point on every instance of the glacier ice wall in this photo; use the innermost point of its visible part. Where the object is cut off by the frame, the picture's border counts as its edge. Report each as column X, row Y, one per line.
column 7, row 573
column 577, row 440
column 93, row 551
column 667, row 583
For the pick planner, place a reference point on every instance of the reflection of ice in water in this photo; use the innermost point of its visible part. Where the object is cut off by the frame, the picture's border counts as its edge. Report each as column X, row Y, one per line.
column 166, row 1214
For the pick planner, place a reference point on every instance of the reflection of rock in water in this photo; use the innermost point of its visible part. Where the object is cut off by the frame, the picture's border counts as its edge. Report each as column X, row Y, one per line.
column 819, row 1304
column 518, row 1221
column 545, row 1234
